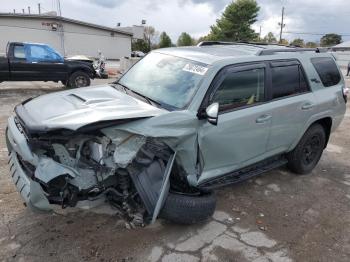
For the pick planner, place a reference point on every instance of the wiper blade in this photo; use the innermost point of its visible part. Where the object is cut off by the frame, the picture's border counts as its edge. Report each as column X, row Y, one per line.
column 149, row 100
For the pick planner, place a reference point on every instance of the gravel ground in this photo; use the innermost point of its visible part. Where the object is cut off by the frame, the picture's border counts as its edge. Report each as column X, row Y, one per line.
column 275, row 217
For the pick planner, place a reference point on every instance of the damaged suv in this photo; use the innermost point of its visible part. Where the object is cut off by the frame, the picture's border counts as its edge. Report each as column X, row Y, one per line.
column 179, row 123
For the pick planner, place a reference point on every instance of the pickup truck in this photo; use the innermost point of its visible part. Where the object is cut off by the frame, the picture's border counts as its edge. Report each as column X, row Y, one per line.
column 40, row 62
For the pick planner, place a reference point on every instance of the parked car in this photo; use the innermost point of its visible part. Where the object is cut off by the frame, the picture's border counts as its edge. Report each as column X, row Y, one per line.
column 39, row 62
column 180, row 123
column 137, row 54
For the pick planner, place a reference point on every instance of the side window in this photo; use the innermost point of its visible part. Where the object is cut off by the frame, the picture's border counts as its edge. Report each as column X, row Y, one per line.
column 288, row 80
column 241, row 89
column 327, row 70
column 18, row 52
column 40, row 53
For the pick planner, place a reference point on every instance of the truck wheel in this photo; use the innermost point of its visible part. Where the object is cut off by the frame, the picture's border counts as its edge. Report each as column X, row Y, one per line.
column 79, row 79
column 188, row 209
column 307, row 153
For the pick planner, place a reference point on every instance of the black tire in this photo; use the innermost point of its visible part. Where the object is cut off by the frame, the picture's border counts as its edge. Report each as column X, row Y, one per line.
column 308, row 152
column 188, row 209
column 79, row 79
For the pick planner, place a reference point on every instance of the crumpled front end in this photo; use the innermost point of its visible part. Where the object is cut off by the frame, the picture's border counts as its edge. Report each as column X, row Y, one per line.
column 123, row 165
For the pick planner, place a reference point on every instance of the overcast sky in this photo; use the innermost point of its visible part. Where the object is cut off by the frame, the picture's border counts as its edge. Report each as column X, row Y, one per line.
column 196, row 16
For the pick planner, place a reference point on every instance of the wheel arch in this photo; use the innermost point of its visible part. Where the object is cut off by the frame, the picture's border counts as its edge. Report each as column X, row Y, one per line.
column 325, row 121
column 88, row 71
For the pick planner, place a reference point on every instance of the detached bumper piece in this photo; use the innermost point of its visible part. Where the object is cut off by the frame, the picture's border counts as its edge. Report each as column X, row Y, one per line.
column 30, row 190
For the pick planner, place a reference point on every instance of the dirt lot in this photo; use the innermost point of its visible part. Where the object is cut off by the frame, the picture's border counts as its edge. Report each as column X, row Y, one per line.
column 275, row 217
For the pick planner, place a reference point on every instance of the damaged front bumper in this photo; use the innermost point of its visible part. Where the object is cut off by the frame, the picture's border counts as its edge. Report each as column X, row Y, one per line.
column 30, row 190
column 19, row 153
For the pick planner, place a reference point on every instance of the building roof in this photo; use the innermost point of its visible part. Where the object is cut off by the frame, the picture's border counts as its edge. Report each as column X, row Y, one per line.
column 64, row 19
column 343, row 45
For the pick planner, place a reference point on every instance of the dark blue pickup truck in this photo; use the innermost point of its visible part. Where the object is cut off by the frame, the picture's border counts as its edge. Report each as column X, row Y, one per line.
column 40, row 62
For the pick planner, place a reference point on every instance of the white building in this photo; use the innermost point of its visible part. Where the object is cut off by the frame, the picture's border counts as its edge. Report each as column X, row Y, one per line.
column 342, row 54
column 67, row 36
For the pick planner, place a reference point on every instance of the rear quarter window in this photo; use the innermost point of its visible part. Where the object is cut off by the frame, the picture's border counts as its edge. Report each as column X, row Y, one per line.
column 327, row 71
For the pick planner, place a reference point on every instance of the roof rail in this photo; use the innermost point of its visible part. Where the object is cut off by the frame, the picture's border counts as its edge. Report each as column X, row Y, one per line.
column 289, row 50
column 209, row 43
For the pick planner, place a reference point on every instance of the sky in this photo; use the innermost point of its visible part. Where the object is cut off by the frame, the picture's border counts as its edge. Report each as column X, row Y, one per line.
column 303, row 18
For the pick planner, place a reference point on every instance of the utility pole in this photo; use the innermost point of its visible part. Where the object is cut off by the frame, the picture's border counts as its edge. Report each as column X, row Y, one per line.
column 60, row 27
column 282, row 25
column 39, row 8
column 260, row 34
column 28, row 9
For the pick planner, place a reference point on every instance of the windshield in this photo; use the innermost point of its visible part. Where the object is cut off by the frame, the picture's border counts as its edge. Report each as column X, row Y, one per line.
column 166, row 79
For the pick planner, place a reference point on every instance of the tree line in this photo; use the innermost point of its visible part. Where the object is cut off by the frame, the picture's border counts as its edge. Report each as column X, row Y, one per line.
column 234, row 25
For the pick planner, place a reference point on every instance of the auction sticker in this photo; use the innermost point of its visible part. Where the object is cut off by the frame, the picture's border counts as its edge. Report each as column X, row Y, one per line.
column 195, row 69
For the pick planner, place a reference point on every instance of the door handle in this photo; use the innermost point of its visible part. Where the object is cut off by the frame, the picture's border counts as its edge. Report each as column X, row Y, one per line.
column 315, row 80
column 307, row 106
column 263, row 119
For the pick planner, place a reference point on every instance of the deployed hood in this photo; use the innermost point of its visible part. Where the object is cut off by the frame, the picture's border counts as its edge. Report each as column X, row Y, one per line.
column 73, row 109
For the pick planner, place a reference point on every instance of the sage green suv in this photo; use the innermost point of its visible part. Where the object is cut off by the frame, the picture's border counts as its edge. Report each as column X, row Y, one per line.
column 179, row 123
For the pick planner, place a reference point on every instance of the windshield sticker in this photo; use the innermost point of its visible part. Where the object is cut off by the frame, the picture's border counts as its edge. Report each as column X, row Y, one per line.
column 195, row 69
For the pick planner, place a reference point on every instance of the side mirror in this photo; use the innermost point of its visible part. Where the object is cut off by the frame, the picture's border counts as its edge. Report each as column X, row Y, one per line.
column 212, row 112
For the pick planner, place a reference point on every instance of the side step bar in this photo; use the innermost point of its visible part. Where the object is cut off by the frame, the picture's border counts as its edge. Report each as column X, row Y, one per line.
column 244, row 173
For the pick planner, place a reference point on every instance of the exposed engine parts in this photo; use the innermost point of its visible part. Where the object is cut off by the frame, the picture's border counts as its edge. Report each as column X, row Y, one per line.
column 127, row 172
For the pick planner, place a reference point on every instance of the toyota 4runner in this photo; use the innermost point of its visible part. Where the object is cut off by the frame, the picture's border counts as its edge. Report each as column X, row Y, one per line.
column 179, row 123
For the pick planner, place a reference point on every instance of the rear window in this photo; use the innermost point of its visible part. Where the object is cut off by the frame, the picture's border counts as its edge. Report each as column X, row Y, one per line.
column 327, row 70
column 18, row 52
column 288, row 80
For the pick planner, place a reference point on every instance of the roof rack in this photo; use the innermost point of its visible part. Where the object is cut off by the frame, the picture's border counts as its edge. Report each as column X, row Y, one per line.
column 209, row 43
column 289, row 50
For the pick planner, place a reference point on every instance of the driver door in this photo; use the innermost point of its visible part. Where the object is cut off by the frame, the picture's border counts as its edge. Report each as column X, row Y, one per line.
column 44, row 64
column 241, row 135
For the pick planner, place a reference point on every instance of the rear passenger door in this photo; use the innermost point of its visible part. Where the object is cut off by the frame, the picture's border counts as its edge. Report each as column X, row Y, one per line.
column 292, row 103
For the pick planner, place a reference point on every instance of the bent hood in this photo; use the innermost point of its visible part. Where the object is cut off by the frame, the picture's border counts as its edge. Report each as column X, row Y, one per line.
column 73, row 109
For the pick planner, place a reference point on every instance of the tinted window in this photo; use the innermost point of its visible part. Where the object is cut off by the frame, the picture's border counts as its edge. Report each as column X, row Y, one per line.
column 327, row 70
column 241, row 89
column 288, row 80
column 18, row 52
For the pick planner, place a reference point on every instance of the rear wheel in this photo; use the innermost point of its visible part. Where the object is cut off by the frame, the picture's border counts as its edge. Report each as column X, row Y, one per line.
column 79, row 79
column 308, row 152
column 188, row 209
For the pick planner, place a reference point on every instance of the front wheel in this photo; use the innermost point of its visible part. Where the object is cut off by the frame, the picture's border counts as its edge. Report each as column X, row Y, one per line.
column 307, row 153
column 79, row 79
column 188, row 209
